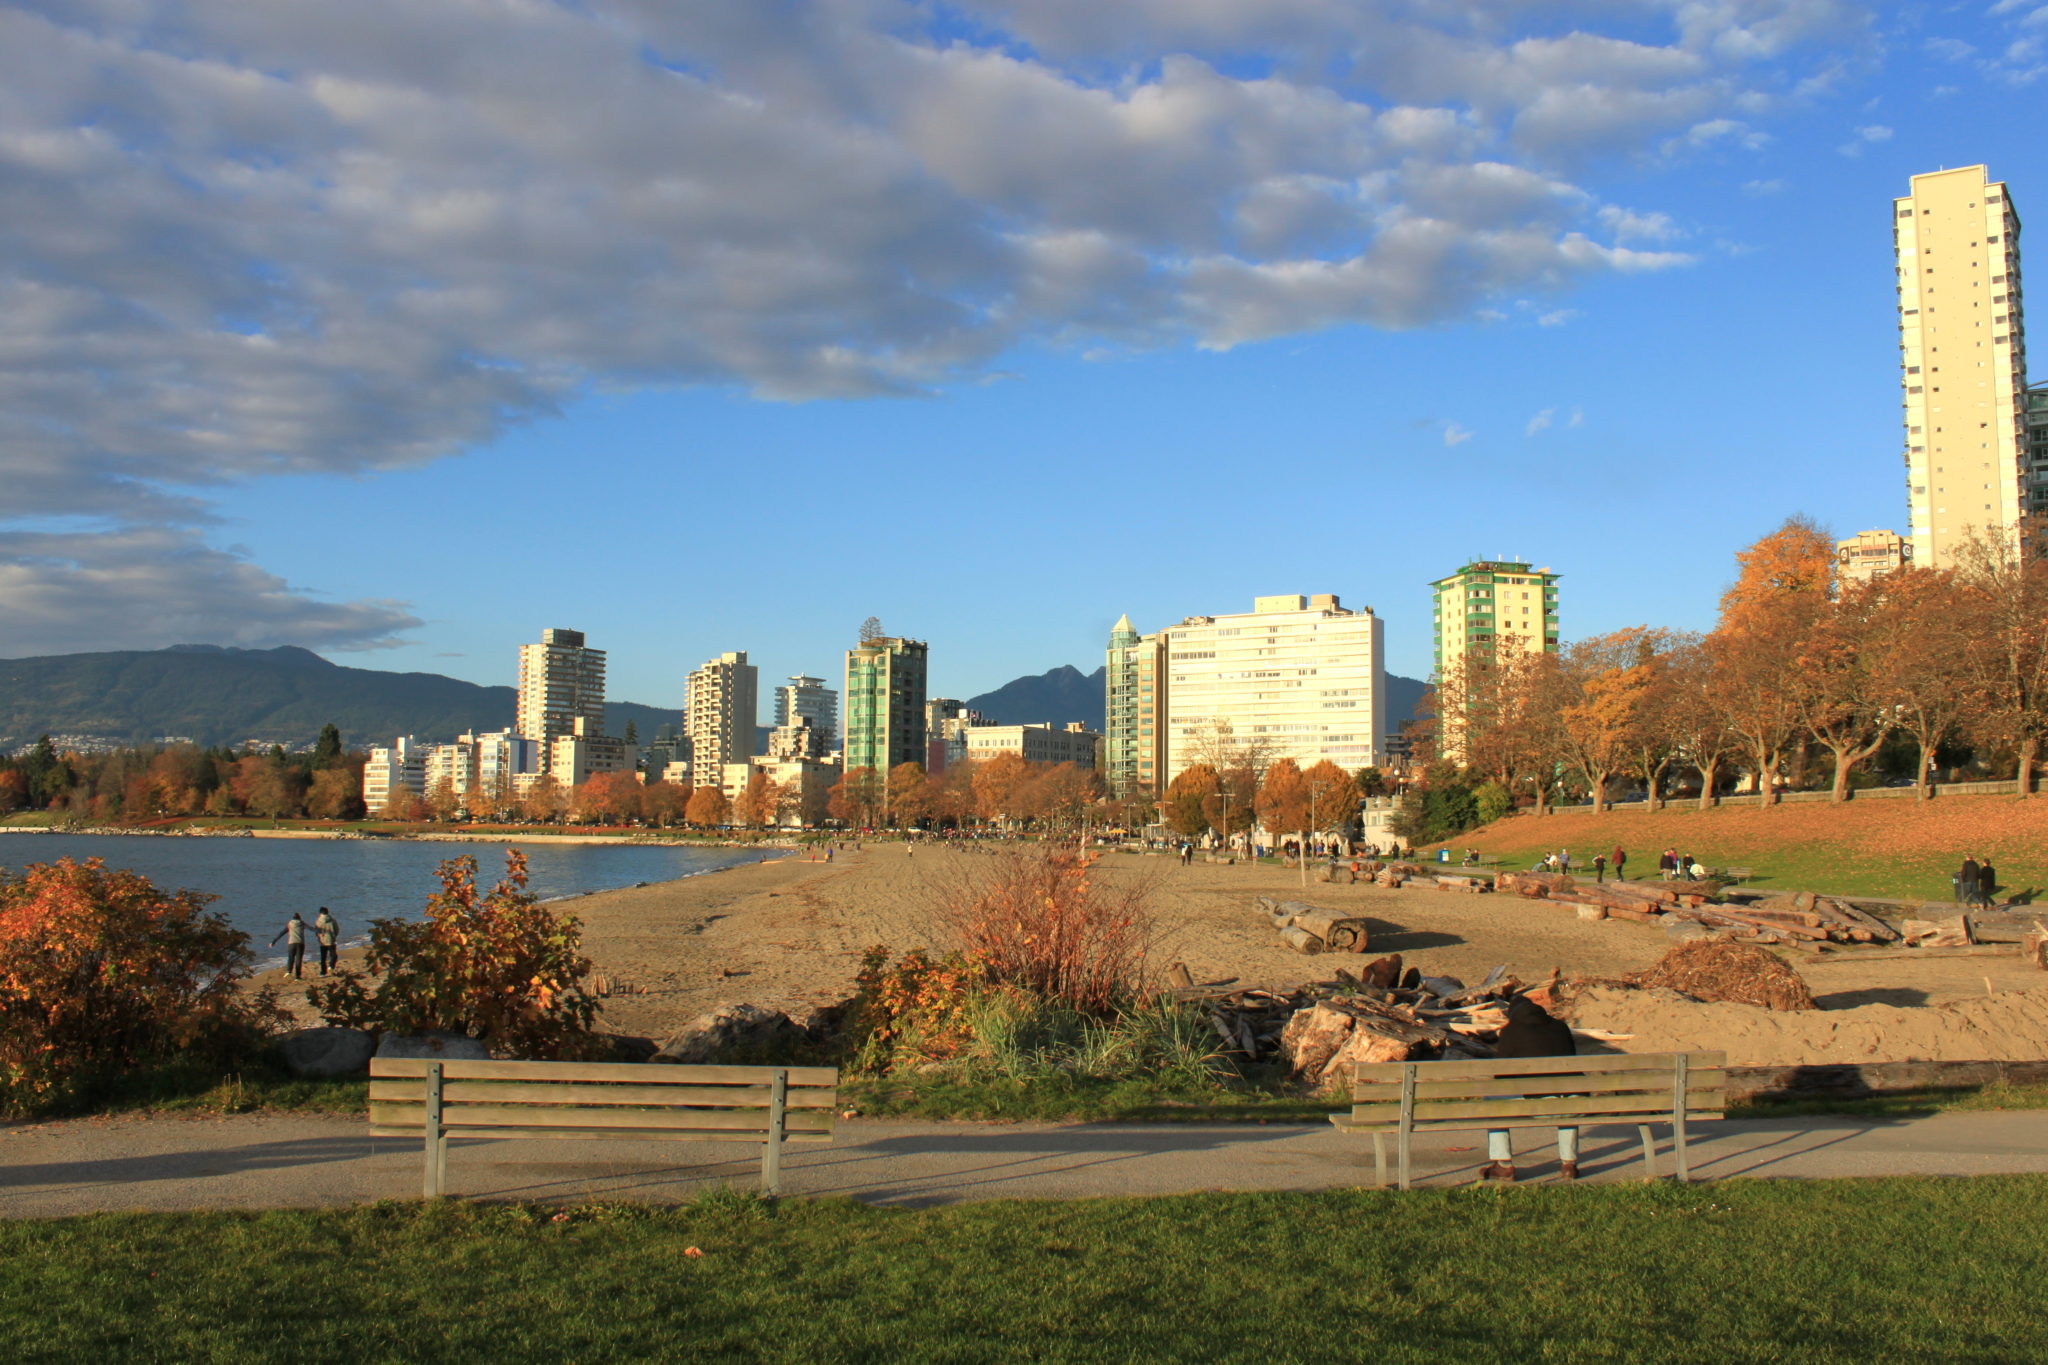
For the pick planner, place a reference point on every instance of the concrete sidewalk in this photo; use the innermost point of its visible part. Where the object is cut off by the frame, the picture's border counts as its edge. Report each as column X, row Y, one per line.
column 260, row 1161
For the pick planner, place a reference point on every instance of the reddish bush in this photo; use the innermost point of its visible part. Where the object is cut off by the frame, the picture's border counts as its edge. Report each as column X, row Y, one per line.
column 100, row 971
column 1046, row 925
column 497, row 966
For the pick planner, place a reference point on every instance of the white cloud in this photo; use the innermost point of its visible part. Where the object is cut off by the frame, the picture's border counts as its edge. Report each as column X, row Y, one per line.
column 1455, row 435
column 1578, row 419
column 1876, row 132
column 1540, row 422
column 259, row 239
column 1557, row 317
column 1759, row 188
column 148, row 587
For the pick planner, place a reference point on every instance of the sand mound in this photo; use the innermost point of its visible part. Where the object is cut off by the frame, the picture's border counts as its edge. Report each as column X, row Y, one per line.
column 1729, row 973
column 2011, row 1026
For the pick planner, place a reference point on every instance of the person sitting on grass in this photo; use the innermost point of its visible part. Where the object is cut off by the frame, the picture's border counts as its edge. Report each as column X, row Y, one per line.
column 1531, row 1032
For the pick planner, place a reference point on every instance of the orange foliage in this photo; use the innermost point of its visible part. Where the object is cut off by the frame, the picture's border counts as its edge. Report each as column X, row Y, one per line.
column 101, row 971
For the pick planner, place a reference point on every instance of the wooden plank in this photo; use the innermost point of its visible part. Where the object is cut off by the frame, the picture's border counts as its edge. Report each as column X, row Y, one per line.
column 530, row 1116
column 1522, row 1066
column 1350, row 1125
column 1509, row 1087
column 529, row 1092
column 608, row 1134
column 1437, row 1110
column 643, row 1073
column 1988, row 950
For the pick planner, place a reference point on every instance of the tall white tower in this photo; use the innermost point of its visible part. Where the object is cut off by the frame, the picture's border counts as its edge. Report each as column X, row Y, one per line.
column 1962, row 353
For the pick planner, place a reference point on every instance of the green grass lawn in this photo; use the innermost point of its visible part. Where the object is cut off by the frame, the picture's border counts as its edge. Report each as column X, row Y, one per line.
column 1851, row 1271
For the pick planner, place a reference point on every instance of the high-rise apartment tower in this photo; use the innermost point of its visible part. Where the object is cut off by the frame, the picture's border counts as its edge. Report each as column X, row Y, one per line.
column 1134, row 737
column 804, row 698
column 1962, row 358
column 561, row 680
column 1491, row 608
column 884, row 703
column 719, row 708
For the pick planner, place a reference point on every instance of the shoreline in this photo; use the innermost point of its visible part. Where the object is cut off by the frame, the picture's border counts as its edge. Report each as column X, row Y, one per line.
column 636, row 840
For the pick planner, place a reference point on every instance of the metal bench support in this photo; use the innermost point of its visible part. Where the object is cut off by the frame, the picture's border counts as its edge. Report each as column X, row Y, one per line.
column 771, row 1155
column 436, row 1176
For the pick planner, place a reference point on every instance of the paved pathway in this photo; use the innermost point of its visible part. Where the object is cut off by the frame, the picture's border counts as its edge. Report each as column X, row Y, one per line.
column 261, row 1161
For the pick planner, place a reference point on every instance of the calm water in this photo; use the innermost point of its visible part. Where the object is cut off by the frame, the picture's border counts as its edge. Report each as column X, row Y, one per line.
column 261, row 881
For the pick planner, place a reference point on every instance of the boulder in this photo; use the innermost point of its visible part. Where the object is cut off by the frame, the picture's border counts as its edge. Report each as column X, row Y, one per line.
column 320, row 1053
column 435, row 1045
column 728, row 1029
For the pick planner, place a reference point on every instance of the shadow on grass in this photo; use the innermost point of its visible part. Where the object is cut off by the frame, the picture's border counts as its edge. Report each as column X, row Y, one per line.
column 1900, row 1104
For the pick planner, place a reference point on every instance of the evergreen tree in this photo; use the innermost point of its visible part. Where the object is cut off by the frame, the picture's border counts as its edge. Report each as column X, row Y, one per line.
column 327, row 749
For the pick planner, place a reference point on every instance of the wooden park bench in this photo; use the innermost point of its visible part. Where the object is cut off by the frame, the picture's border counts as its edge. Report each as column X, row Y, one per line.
column 438, row 1100
column 1404, row 1098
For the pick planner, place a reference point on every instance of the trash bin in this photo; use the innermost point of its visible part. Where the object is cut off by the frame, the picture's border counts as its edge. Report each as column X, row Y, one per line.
column 1443, row 855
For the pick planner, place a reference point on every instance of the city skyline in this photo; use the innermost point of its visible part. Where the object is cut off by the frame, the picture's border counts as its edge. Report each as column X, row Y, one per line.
column 1646, row 292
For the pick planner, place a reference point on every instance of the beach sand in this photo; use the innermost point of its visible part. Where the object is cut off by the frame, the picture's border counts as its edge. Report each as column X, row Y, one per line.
column 789, row 933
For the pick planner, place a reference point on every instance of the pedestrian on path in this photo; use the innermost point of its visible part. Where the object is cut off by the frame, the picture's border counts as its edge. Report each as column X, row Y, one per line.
column 1599, row 867
column 1966, row 881
column 294, row 935
column 1987, row 882
column 1531, row 1032
column 1620, row 857
column 328, row 932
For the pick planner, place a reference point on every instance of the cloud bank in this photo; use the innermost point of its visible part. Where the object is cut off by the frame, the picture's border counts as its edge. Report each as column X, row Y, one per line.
column 243, row 240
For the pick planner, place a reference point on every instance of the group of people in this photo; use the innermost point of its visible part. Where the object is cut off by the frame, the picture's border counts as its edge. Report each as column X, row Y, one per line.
column 1674, row 866
column 326, row 932
column 1977, row 882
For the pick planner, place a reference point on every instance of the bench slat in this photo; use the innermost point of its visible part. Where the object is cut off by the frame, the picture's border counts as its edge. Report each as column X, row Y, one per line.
column 643, row 1073
column 609, row 1134
column 547, row 1092
column 1475, row 1111
column 1509, row 1087
column 1351, row 1125
column 1658, row 1062
column 529, row 1116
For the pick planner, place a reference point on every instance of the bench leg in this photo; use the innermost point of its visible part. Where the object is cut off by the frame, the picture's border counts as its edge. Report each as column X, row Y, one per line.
column 1379, row 1159
column 436, row 1173
column 771, row 1154
column 1649, row 1151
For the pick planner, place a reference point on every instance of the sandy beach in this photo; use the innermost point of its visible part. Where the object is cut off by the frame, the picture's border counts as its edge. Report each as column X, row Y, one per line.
column 789, row 933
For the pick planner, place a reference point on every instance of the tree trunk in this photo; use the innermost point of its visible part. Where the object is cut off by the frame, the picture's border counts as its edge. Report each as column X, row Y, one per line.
column 1600, row 795
column 2025, row 775
column 1926, row 750
column 1840, row 791
column 1708, row 772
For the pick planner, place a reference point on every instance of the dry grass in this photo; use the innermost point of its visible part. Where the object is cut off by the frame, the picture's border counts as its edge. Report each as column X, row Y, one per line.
column 1044, row 923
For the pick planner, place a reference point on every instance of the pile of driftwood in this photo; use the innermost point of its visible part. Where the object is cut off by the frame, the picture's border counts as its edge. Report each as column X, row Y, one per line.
column 1310, row 928
column 1381, row 1013
column 1800, row 920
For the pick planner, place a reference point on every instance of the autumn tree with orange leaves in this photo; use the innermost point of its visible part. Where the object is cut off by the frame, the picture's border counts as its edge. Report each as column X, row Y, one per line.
column 100, row 972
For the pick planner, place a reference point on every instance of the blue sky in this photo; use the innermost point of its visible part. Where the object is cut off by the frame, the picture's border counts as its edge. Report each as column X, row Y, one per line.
column 471, row 405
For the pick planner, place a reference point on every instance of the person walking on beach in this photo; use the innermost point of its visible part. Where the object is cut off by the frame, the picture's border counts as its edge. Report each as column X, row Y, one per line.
column 329, row 934
column 294, row 936
column 1987, row 882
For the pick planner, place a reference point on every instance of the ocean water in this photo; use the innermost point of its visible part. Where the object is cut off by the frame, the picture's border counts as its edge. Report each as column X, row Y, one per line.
column 259, row 882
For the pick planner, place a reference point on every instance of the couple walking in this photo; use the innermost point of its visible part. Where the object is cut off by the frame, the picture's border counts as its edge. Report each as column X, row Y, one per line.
column 1977, row 882
column 325, row 930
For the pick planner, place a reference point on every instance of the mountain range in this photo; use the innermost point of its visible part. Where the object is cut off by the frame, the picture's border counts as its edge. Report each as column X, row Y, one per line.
column 215, row 694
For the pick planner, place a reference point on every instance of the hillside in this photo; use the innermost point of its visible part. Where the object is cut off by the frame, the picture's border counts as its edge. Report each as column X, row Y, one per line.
column 1901, row 849
column 223, row 696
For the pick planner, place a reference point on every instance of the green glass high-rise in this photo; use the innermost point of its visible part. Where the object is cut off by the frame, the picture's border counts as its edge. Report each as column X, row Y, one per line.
column 882, row 709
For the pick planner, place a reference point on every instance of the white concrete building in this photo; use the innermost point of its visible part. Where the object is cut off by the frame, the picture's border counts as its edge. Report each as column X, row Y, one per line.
column 561, row 682
column 401, row 765
column 574, row 759
column 1073, row 743
column 1296, row 677
column 807, row 698
column 719, row 711
column 1962, row 360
